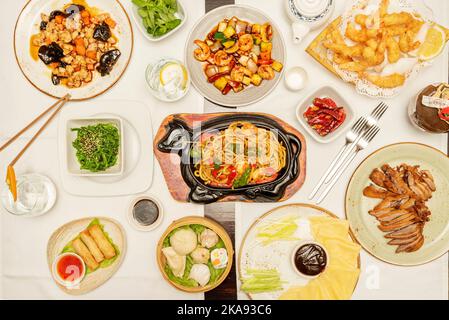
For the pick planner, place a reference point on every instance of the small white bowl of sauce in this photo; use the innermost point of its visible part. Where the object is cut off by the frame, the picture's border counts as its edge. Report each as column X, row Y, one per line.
column 145, row 213
column 69, row 269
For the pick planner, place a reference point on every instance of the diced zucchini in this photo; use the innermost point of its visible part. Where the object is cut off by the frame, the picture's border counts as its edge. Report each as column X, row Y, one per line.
column 266, row 46
column 222, row 26
column 256, row 28
column 228, row 44
column 229, row 32
column 221, row 83
column 277, row 66
column 257, row 39
column 224, row 69
column 246, row 81
column 219, row 36
column 256, row 79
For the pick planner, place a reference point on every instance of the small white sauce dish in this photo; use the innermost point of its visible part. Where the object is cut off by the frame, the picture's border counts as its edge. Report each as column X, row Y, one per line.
column 79, row 276
column 296, row 78
column 326, row 92
column 133, row 220
column 293, row 256
column 73, row 166
column 181, row 14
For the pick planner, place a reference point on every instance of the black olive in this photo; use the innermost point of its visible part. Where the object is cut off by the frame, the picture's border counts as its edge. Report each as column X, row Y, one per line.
column 107, row 61
column 102, row 32
column 55, row 79
column 43, row 25
column 51, row 53
column 74, row 9
column 56, row 13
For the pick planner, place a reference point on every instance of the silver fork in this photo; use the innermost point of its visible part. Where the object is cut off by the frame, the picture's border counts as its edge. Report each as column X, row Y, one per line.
column 362, row 144
column 372, row 120
column 351, row 139
column 351, row 136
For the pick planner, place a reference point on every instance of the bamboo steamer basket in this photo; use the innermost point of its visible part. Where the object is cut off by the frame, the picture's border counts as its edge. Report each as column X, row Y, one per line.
column 208, row 223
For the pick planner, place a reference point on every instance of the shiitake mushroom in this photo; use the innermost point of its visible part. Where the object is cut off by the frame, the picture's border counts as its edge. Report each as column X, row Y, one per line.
column 51, row 53
column 107, row 61
column 43, row 25
column 74, row 9
column 102, row 32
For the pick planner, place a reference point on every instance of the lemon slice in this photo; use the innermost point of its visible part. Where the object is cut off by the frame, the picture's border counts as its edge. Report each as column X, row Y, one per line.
column 173, row 72
column 433, row 44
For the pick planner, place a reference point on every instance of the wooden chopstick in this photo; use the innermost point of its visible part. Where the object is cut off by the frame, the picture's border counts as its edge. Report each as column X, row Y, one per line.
column 62, row 102
column 3, row 147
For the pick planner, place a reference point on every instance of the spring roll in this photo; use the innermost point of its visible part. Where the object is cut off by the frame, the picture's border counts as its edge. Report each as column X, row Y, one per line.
column 105, row 246
column 85, row 254
column 92, row 246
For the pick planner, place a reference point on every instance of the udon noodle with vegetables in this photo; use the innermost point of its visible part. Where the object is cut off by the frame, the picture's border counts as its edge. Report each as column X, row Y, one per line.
column 241, row 155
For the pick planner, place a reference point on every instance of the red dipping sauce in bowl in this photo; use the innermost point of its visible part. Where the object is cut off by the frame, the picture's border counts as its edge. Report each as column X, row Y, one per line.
column 69, row 269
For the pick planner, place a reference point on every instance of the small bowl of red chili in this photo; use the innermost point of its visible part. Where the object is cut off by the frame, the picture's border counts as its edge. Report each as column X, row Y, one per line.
column 325, row 114
column 69, row 269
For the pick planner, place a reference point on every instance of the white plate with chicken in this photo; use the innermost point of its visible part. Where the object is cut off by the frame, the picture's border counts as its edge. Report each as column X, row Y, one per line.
column 73, row 46
column 235, row 55
column 396, row 204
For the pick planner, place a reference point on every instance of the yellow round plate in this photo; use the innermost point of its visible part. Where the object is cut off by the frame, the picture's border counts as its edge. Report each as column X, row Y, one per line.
column 364, row 226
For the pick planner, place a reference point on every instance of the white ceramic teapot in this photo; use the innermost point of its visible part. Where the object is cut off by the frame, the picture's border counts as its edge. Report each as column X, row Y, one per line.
column 308, row 15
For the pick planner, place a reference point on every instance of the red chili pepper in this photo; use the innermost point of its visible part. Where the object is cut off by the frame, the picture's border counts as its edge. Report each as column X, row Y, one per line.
column 232, row 176
column 444, row 114
column 226, row 89
column 217, row 76
column 333, row 113
column 265, row 62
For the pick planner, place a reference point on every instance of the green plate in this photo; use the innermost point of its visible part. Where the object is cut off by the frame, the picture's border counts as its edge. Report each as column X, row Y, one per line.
column 364, row 226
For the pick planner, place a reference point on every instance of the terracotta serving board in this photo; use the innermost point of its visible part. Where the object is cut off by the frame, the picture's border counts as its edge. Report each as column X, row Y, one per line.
column 171, row 162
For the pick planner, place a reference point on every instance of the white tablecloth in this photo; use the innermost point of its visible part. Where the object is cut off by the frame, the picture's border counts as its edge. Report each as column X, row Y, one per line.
column 23, row 267
column 378, row 280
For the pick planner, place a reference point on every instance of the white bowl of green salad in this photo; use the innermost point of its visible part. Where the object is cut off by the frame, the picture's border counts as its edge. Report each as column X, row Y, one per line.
column 158, row 19
column 95, row 146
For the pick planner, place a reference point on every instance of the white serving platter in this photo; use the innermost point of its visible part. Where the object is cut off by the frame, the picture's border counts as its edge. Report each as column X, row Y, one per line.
column 137, row 156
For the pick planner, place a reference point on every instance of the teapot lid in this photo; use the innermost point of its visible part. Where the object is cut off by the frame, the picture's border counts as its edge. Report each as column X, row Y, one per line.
column 310, row 10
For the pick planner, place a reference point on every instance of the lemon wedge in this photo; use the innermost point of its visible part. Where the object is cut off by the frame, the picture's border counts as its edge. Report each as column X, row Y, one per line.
column 433, row 44
column 173, row 72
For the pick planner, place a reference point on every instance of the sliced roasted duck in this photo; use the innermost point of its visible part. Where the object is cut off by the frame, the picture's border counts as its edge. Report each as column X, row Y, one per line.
column 403, row 212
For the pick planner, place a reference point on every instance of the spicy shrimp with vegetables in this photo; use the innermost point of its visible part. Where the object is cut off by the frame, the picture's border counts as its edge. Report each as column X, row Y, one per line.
column 237, row 54
column 76, row 43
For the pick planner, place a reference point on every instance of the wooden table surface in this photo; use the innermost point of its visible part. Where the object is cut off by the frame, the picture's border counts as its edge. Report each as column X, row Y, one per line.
column 228, row 289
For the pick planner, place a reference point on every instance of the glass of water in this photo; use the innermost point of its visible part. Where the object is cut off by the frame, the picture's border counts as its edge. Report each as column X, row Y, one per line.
column 36, row 195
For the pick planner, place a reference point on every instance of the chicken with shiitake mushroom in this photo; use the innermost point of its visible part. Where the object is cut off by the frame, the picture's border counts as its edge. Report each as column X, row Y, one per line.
column 76, row 43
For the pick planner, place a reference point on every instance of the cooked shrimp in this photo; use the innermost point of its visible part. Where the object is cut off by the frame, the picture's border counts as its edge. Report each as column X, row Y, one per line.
column 221, row 58
column 266, row 72
column 246, row 42
column 203, row 52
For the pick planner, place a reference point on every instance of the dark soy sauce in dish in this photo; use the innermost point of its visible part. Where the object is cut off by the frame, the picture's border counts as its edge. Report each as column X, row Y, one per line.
column 310, row 260
column 146, row 212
